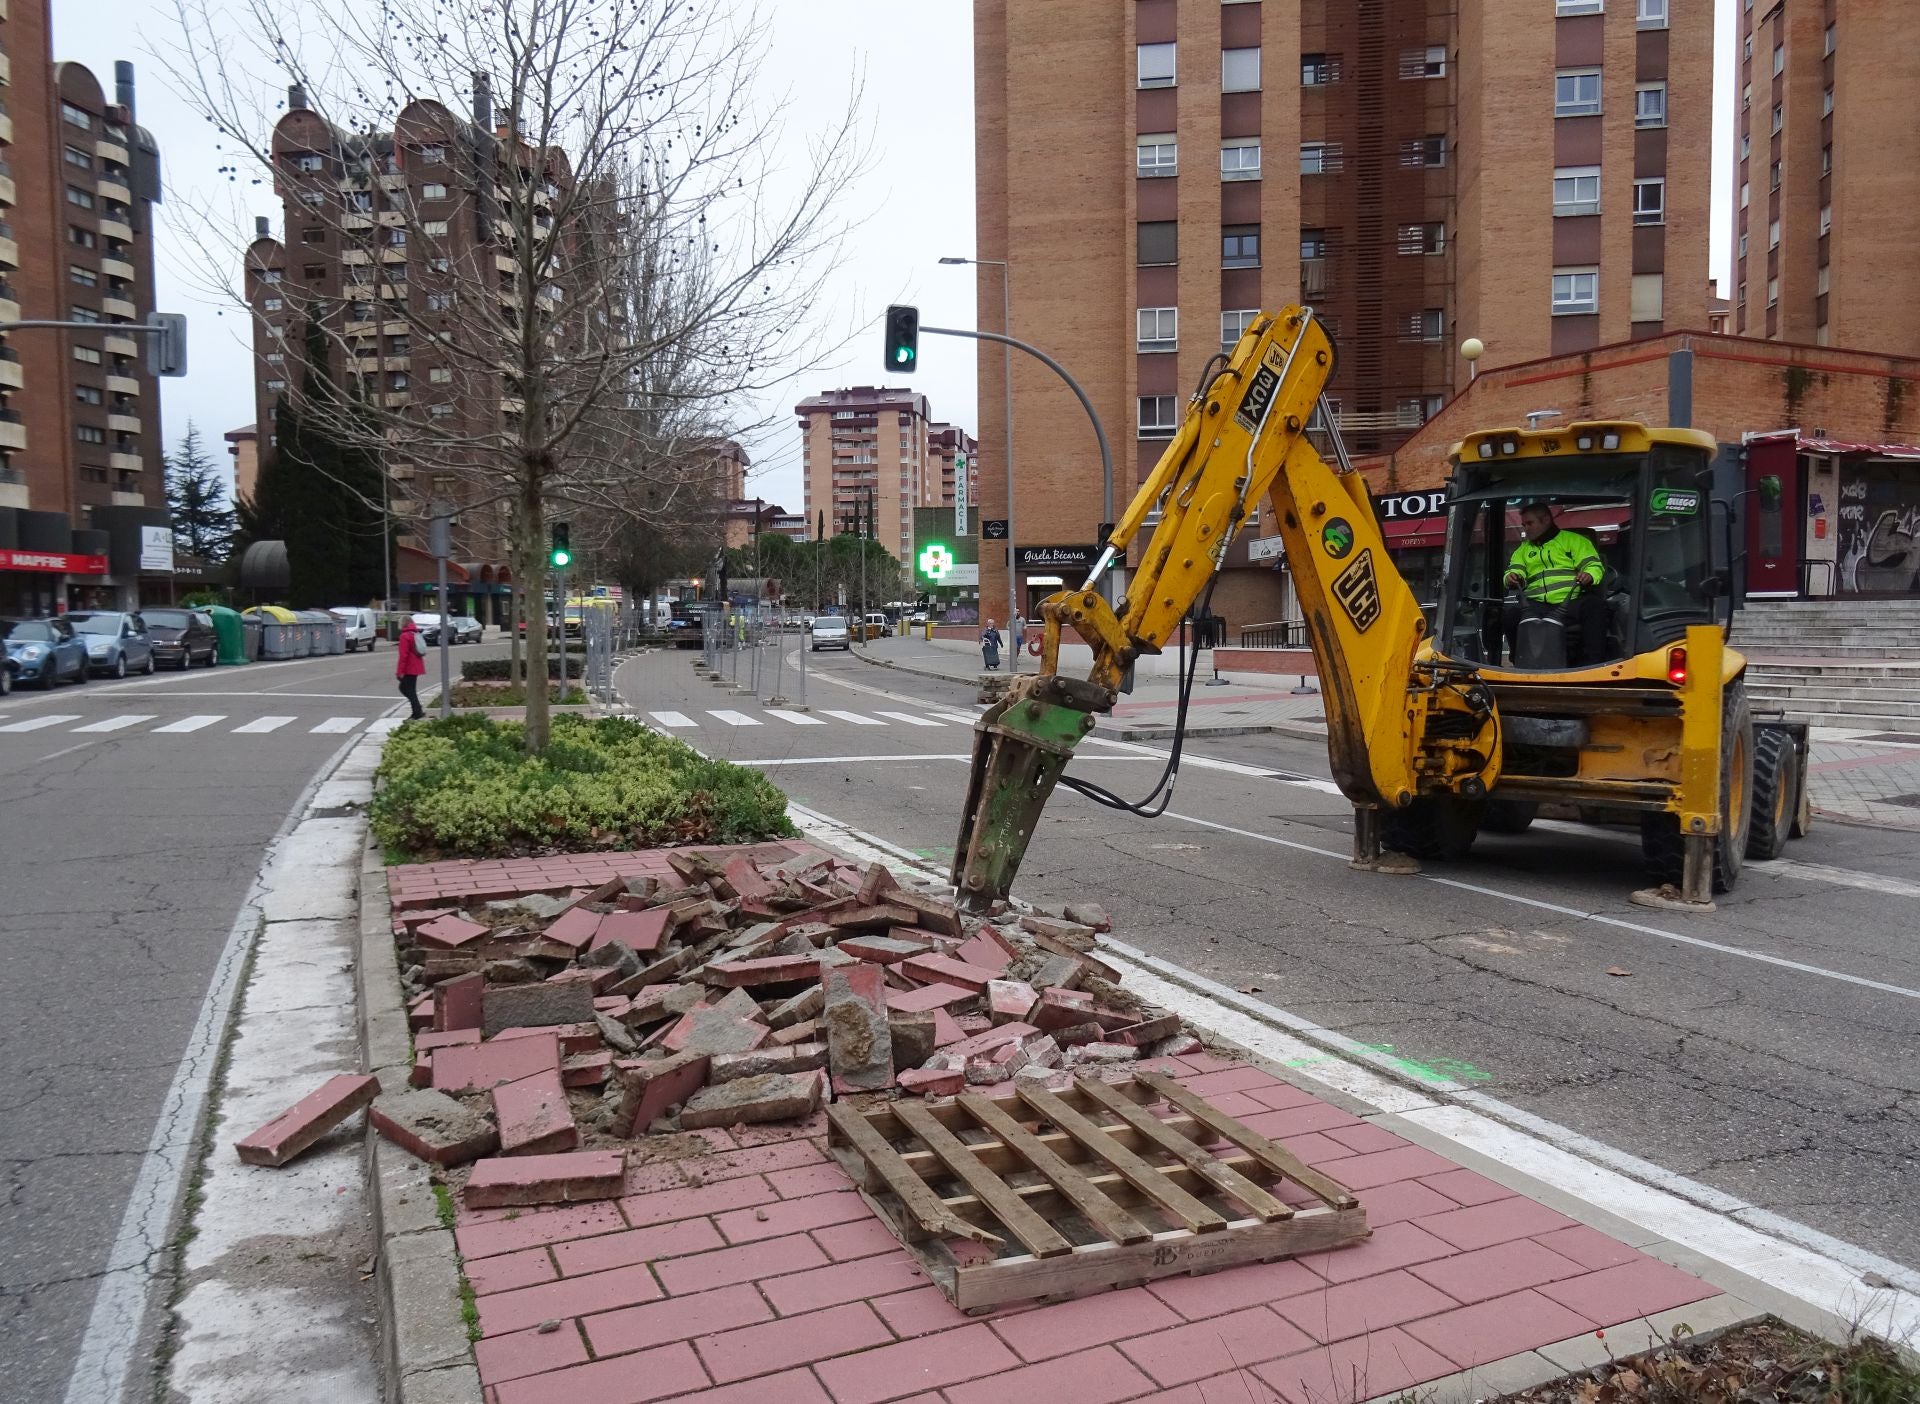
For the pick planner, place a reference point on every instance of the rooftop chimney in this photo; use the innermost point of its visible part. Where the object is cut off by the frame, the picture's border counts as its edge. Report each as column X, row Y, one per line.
column 260, row 227
column 123, row 85
column 482, row 102
column 296, row 97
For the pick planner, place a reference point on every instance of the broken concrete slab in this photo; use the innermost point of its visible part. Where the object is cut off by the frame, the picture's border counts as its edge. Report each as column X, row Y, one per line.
column 1090, row 914
column 933, row 1082
column 767, row 970
column 501, row 1183
column 576, row 928
column 534, row 1116
column 806, row 1031
column 640, row 932
column 1010, row 1000
column 883, row 950
column 913, row 1035
column 533, row 1006
column 984, row 954
column 858, row 1037
column 653, row 1003
column 774, row 1058
column 712, row 1031
column 433, row 1126
column 307, row 1120
column 449, row 933
column 929, row 997
column 574, row 1038
column 456, row 1002
column 773, row 1097
column 649, row 1087
column 587, row 1069
column 482, row 1067
column 741, row 1005
column 940, row 969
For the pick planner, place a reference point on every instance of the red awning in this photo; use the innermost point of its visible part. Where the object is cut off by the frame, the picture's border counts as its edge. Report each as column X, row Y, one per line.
column 414, row 566
column 1806, row 445
column 1411, row 533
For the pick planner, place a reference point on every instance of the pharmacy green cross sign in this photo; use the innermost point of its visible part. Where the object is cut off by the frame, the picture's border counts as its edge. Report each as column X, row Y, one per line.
column 936, row 562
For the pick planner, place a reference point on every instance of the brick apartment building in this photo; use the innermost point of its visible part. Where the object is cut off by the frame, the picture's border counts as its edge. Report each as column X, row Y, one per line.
column 1827, row 176
column 1533, row 173
column 864, row 445
column 950, row 446
column 81, row 471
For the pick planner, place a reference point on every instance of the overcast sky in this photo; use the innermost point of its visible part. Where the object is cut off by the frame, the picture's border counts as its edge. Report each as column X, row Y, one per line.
column 914, row 61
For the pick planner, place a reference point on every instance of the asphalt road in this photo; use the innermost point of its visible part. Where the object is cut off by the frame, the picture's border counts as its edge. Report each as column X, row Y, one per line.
column 133, row 817
column 1795, row 1086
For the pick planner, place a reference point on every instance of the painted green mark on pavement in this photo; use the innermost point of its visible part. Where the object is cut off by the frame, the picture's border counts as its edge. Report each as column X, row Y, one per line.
column 1434, row 1069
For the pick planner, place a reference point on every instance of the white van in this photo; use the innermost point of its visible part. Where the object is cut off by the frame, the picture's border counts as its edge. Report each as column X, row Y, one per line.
column 363, row 630
column 831, row 631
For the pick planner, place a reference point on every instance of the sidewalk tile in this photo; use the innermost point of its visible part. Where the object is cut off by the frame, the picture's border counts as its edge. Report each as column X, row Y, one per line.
column 1190, row 1353
column 1477, row 1335
column 1236, row 1104
column 1215, row 1294
column 570, row 1296
column 1364, row 1137
column 1363, row 1172
column 920, row 1312
column 625, row 1379
column 1493, row 1272
column 1395, row 1246
column 1589, row 1247
column 1499, row 1222
column 813, row 1129
column 793, row 1387
column 1234, row 1079
column 863, row 1279
column 930, row 1362
column 1620, row 1293
column 793, row 1216
column 1094, row 1320
column 1284, row 1096
column 859, row 1238
column 729, row 1162
column 664, row 1206
column 612, row 1250
column 795, row 1340
column 808, row 1179
column 1368, row 1304
column 1281, row 1122
column 532, row 1229
column 511, row 1270
column 1310, row 1146
column 1403, row 1199
column 530, row 1352
column 725, row 1266
column 1467, row 1187
column 678, row 1319
column 1092, row 1377
column 1362, row 1368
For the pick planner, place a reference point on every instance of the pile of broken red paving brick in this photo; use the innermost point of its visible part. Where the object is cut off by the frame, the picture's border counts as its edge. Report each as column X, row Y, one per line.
column 551, row 1029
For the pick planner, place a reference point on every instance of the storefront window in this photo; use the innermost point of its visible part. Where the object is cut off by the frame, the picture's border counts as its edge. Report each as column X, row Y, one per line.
column 1879, row 527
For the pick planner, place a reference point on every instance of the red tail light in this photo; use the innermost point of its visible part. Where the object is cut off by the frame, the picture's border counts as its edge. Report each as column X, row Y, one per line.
column 1676, row 666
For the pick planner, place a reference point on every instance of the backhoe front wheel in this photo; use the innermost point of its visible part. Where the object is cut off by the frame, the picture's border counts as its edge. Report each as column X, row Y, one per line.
column 1661, row 841
column 1433, row 827
column 1776, row 792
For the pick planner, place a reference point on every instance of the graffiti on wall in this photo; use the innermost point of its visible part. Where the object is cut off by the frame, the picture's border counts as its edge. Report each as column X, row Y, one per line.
column 1880, row 530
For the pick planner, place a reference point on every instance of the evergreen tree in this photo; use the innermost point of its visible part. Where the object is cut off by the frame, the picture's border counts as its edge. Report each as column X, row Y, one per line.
column 203, row 523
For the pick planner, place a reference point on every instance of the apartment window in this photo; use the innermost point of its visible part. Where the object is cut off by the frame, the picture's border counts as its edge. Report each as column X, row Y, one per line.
column 270, row 275
column 1240, row 246
column 88, row 434
column 1746, row 96
column 1773, row 176
column 1159, row 328
column 1423, row 238
column 1823, row 281
column 1426, row 151
column 1159, row 416
column 86, row 355
column 1780, row 58
column 440, row 411
column 1233, row 326
column 313, row 236
column 440, row 265
column 1826, row 218
column 85, row 277
column 1579, row 7
column 1427, row 325
column 1315, row 243
column 77, row 158
column 272, row 304
column 1746, row 191
column 1424, row 63
column 91, row 394
column 314, row 272
column 433, row 155
column 433, row 191
column 1829, row 48
column 1576, row 190
column 1575, row 291
column 1743, row 245
column 1155, row 65
column 1649, row 297
column 274, row 358
column 1240, row 70
column 1576, row 92
column 1826, row 160
column 1826, row 103
column 1773, row 235
column 276, row 386
column 76, row 116
column 83, row 314
column 1320, row 157
column 1240, row 160
column 440, row 375
column 1650, row 105
column 397, row 238
column 1746, row 146
column 1746, row 47
column 1650, row 14
column 1157, row 155
column 399, row 346
column 1158, row 241
column 1779, row 116
column 398, row 381
column 439, row 301
column 1773, row 291
column 1650, row 201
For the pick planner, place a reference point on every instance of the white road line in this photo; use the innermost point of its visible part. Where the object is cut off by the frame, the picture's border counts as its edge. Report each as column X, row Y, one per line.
column 119, row 723
column 955, row 717
column 187, row 724
column 733, row 718
column 335, row 726
column 673, row 719
column 1839, row 877
column 797, row 718
column 384, row 726
column 855, row 718
column 910, row 719
column 262, row 725
column 36, row 723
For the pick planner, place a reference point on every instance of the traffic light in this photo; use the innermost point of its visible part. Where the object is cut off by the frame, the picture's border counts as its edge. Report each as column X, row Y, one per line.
column 561, row 554
column 903, row 339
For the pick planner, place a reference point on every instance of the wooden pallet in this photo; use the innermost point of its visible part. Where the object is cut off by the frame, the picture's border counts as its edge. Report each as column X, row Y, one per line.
column 1042, row 1194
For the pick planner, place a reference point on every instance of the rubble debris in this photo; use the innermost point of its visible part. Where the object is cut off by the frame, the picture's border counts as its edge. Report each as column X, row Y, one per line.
column 535, row 1006
column 534, row 1116
column 544, row 1179
column 648, row 1088
column 307, row 1120
column 456, row 1002
column 482, row 1066
column 770, row 1097
column 433, row 1126
column 859, row 1041
column 780, row 1058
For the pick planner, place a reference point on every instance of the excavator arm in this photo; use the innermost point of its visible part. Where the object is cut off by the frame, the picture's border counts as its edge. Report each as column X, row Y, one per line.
column 1399, row 725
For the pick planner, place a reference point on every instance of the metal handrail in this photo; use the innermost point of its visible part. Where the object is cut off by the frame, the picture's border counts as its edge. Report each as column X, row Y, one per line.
column 1289, row 633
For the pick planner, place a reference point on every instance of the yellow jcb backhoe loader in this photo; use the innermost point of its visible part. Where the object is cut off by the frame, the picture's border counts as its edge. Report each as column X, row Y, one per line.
column 1435, row 733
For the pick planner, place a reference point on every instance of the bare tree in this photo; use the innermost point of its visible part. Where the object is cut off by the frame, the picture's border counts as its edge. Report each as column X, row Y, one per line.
column 548, row 305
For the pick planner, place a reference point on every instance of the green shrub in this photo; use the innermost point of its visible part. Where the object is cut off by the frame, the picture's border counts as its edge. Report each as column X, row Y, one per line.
column 462, row 788
column 495, row 669
column 498, row 694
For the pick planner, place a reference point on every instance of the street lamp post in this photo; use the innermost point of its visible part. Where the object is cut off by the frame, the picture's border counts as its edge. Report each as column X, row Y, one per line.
column 1006, row 328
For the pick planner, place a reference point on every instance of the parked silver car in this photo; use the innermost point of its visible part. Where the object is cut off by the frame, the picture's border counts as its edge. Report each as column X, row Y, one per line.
column 117, row 642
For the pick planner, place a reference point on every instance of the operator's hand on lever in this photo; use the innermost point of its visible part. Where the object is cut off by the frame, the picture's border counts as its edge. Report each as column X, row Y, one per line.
column 1514, row 580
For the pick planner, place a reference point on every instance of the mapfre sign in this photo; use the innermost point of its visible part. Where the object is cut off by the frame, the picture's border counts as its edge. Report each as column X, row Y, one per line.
column 56, row 562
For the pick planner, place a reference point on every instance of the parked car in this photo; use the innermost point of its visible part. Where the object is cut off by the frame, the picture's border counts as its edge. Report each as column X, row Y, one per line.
column 44, row 651
column 361, row 625
column 117, row 642
column 918, row 618
column 831, row 631
column 466, row 629
column 181, row 637
column 8, row 668
column 877, row 626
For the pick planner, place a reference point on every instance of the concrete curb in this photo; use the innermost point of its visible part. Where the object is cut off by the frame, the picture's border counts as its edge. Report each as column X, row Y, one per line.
column 425, row 1356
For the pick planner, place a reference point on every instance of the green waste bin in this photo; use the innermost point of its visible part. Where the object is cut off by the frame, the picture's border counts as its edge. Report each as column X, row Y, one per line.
column 230, row 633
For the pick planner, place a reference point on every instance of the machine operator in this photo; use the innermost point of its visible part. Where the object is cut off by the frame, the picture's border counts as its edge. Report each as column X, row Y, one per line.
column 1557, row 572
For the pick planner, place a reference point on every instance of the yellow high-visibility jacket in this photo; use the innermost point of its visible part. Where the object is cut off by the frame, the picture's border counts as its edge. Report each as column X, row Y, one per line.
column 1553, row 569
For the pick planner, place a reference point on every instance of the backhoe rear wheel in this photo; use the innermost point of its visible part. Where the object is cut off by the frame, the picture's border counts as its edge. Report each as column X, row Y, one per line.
column 1660, row 839
column 1433, row 827
column 1776, row 793
column 1509, row 816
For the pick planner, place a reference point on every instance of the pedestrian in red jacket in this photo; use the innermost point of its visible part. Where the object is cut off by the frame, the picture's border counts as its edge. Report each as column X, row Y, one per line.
column 411, row 666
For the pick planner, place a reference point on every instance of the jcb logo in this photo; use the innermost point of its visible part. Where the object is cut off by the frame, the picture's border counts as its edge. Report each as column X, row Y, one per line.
column 1358, row 592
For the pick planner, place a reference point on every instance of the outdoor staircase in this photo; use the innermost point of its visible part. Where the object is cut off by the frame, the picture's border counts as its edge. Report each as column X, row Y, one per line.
column 1839, row 663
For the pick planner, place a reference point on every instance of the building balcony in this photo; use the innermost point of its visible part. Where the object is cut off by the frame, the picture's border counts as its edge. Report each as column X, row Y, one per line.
column 503, row 264
column 393, row 292
column 112, row 151
column 6, row 128
column 393, row 255
column 118, row 307
column 116, row 229
column 6, row 67
column 9, row 252
column 120, row 346
column 9, row 308
column 122, row 385
column 129, row 499
column 355, row 258
column 7, row 194
column 355, row 220
column 13, row 491
column 399, row 363
column 130, row 462
column 359, row 328
column 124, row 423
column 117, row 268
column 397, row 399
column 13, row 434
column 12, row 377
column 393, row 181
column 113, row 190
column 366, row 365
column 513, row 406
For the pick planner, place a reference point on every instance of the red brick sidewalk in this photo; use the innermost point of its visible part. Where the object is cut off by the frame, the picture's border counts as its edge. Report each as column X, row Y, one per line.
column 757, row 1273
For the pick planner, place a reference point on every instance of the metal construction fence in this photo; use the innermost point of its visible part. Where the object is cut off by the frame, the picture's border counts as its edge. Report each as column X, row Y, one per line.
column 749, row 650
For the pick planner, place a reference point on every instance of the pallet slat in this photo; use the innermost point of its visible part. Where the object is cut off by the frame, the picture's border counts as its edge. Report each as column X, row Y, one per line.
column 992, row 1192
column 1142, row 1176
column 921, row 1202
column 1285, row 1162
column 1115, row 1222
column 1215, row 1171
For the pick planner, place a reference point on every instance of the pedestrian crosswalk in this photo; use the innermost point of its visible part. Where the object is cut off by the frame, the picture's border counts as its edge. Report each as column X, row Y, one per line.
column 729, row 717
column 137, row 723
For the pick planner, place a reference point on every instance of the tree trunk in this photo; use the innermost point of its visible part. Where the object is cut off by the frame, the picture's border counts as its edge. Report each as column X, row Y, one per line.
column 529, row 527
column 516, row 673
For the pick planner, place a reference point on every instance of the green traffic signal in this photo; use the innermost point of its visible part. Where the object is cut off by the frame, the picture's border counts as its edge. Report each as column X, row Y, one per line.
column 903, row 339
column 560, row 552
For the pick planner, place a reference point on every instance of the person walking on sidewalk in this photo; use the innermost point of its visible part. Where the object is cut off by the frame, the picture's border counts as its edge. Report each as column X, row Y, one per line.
column 990, row 644
column 411, row 666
